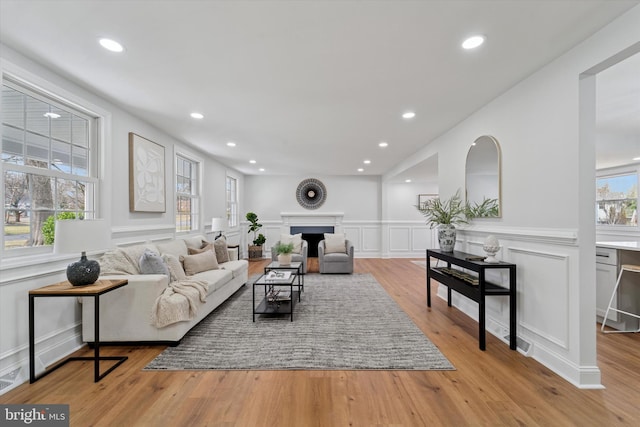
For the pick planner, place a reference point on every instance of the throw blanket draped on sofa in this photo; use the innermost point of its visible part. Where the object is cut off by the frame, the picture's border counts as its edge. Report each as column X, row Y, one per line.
column 178, row 302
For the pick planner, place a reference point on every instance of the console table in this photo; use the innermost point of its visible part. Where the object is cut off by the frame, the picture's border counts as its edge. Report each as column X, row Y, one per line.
column 472, row 286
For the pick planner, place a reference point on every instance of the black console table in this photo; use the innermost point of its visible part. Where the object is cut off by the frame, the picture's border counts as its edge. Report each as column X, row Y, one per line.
column 472, row 286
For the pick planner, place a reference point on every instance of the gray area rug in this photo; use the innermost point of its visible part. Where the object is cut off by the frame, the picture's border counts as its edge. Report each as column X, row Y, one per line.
column 344, row 322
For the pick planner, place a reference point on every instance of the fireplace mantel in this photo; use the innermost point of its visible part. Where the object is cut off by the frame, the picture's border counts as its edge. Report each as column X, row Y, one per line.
column 312, row 218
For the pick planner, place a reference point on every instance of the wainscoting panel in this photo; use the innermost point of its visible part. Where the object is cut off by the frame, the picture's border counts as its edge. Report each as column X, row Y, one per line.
column 399, row 239
column 370, row 240
column 543, row 289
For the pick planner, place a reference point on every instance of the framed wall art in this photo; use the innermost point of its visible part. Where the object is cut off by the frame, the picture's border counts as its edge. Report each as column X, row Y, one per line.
column 424, row 198
column 146, row 175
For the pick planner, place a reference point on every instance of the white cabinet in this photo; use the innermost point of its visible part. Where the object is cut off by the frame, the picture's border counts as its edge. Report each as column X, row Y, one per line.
column 606, row 276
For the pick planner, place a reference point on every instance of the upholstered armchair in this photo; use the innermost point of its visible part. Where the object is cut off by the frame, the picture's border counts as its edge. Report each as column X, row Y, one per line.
column 334, row 261
column 295, row 257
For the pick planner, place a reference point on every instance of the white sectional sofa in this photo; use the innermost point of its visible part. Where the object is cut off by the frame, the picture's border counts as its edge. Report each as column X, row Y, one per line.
column 126, row 313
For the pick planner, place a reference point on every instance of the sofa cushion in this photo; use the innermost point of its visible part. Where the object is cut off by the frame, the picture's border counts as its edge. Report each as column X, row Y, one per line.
column 296, row 239
column 176, row 271
column 174, row 247
column 238, row 267
column 335, row 243
column 199, row 262
column 215, row 278
column 220, row 247
column 152, row 263
column 207, row 247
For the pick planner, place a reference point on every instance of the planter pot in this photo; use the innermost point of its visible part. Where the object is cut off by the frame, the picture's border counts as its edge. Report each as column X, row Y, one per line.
column 284, row 259
column 446, row 237
column 255, row 252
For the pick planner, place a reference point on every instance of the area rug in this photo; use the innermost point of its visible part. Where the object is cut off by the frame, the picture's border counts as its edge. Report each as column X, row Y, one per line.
column 344, row 322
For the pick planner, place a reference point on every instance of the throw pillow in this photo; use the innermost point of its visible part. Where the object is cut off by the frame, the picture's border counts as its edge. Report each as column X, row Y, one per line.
column 199, row 262
column 116, row 262
column 175, row 267
column 195, row 242
column 152, row 263
column 222, row 253
column 207, row 247
column 296, row 239
column 175, row 247
column 334, row 243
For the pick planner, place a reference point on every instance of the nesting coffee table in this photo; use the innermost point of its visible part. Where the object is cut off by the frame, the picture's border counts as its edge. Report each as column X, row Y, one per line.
column 293, row 266
column 280, row 295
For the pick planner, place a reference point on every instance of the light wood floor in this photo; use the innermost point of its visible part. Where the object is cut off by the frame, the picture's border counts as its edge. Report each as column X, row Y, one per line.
column 493, row 388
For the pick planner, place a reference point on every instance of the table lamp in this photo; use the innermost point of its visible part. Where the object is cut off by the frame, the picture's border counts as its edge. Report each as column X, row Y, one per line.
column 74, row 235
column 218, row 224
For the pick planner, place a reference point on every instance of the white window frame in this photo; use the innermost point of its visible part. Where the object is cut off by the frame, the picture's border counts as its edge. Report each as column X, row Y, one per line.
column 610, row 173
column 194, row 196
column 232, row 202
column 57, row 98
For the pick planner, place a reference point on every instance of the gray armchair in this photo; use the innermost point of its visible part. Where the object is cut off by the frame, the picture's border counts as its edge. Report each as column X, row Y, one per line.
column 301, row 257
column 335, row 262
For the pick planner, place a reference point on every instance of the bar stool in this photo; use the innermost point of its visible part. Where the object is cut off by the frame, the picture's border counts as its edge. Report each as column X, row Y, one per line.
column 632, row 269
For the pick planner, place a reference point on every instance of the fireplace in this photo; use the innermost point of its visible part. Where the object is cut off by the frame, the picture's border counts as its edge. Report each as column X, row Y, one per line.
column 313, row 235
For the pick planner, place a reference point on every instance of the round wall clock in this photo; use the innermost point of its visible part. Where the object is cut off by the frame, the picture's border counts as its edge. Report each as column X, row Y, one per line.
column 311, row 193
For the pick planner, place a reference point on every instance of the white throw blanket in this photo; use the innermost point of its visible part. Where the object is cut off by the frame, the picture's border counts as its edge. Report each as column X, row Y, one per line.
column 178, row 302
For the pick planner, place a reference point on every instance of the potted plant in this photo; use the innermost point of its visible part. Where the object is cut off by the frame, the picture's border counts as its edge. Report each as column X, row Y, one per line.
column 445, row 214
column 284, row 251
column 255, row 250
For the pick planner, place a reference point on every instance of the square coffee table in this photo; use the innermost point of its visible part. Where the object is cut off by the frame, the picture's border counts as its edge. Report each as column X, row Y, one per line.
column 279, row 296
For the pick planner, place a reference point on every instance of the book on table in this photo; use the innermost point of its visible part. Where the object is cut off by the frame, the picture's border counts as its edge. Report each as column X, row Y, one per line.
column 276, row 276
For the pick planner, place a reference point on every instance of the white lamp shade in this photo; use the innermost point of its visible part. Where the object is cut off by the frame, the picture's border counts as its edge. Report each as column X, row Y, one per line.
column 75, row 235
column 218, row 224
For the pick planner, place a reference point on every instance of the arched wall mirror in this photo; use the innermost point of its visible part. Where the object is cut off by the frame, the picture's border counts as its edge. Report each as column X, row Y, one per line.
column 482, row 178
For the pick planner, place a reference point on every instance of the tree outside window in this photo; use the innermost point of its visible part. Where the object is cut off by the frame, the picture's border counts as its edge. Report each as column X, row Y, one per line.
column 187, row 197
column 617, row 200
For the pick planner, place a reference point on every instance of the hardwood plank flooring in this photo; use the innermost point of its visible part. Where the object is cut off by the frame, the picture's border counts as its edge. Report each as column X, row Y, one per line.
column 498, row 387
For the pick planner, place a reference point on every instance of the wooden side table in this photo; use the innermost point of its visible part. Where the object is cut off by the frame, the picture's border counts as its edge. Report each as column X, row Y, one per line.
column 66, row 289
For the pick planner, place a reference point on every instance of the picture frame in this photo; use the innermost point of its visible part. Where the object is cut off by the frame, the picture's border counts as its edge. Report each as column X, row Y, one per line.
column 147, row 189
column 424, row 198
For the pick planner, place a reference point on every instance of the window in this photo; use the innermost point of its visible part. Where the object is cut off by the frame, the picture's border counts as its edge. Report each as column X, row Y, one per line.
column 49, row 153
column 232, row 202
column 617, row 200
column 187, row 197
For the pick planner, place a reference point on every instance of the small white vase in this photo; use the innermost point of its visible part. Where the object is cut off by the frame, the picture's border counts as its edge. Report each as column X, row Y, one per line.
column 284, row 259
column 446, row 237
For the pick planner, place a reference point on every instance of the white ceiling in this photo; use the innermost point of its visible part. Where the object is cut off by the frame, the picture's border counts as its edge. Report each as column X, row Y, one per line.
column 307, row 87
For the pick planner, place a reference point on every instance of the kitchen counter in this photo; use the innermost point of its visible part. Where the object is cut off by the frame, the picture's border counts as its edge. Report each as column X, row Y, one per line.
column 629, row 246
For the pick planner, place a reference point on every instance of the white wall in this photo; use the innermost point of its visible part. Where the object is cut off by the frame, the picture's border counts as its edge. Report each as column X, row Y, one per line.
column 547, row 228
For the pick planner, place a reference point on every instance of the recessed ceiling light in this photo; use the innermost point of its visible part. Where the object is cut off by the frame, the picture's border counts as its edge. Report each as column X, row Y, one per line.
column 111, row 45
column 407, row 180
column 52, row 115
column 261, row 169
column 473, row 42
column 197, row 116
column 408, row 115
column 636, row 158
column 231, row 144
column 383, row 144
column 360, row 170
column 367, row 162
column 253, row 162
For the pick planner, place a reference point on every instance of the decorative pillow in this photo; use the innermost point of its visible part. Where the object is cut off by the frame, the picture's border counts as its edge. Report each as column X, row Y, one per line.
column 176, row 270
column 116, row 262
column 195, row 242
column 220, row 247
column 334, row 243
column 152, row 263
column 176, row 248
column 296, row 239
column 199, row 262
column 207, row 247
